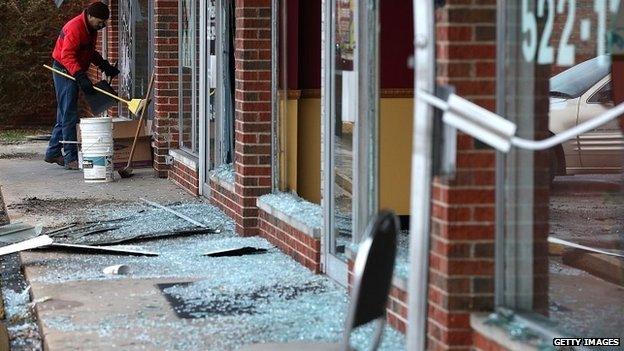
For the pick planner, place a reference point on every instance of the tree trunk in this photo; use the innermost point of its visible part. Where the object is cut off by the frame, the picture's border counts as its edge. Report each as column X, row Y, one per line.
column 4, row 215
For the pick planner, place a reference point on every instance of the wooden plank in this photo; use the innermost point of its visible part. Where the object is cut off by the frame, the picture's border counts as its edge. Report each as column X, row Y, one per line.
column 103, row 249
column 4, row 337
column 609, row 268
column 33, row 243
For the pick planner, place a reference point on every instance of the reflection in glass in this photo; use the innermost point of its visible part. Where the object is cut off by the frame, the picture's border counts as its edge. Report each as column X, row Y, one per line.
column 133, row 62
column 344, row 120
column 211, row 75
column 225, row 151
column 573, row 192
column 186, row 58
column 196, row 90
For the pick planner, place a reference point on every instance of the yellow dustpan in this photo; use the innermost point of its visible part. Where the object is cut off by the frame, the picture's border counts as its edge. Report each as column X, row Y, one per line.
column 134, row 105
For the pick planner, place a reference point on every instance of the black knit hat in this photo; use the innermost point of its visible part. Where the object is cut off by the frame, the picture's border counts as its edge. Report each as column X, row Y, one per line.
column 99, row 10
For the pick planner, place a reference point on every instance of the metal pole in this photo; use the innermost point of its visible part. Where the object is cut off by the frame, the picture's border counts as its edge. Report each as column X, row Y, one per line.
column 275, row 97
column 420, row 205
column 203, row 97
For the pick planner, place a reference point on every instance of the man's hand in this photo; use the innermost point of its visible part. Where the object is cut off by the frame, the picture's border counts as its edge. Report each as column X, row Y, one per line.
column 109, row 70
column 84, row 83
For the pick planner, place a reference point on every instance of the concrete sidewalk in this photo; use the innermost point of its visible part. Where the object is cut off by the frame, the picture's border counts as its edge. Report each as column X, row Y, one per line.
column 39, row 192
column 219, row 303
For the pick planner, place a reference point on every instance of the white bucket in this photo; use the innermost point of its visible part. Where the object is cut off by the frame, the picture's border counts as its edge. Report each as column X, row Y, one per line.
column 97, row 149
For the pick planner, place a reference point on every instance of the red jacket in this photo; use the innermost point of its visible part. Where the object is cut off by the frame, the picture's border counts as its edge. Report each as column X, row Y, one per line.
column 75, row 46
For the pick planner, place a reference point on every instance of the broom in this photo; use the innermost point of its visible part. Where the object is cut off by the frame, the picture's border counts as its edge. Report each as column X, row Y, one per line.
column 126, row 172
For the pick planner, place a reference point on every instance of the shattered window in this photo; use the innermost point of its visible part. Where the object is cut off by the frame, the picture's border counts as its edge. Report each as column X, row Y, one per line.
column 563, row 251
column 133, row 61
column 186, row 73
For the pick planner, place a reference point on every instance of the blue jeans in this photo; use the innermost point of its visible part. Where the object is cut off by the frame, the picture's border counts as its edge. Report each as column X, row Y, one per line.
column 66, row 118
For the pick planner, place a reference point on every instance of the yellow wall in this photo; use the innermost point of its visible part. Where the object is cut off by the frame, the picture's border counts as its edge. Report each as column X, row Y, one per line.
column 303, row 152
column 288, row 135
column 309, row 150
column 395, row 146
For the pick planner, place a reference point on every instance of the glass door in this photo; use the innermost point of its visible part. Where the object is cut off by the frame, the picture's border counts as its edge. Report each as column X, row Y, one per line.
column 340, row 123
column 561, row 212
column 350, row 131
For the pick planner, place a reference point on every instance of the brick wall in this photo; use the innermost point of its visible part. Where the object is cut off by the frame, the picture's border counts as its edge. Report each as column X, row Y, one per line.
column 252, row 161
column 462, row 229
column 166, row 83
column 483, row 343
column 185, row 176
column 112, row 32
column 396, row 309
column 302, row 247
column 223, row 197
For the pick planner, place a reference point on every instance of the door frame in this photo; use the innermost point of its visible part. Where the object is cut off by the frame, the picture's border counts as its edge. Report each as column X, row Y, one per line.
column 332, row 266
column 204, row 126
column 421, row 177
column 365, row 173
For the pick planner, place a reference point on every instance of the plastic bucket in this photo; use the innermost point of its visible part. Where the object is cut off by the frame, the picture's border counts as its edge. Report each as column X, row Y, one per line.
column 97, row 149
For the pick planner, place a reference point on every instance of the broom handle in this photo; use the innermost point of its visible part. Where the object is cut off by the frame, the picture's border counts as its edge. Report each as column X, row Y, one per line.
column 136, row 134
column 94, row 87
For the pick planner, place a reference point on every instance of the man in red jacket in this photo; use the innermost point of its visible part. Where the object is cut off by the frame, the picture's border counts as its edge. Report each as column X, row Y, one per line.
column 73, row 53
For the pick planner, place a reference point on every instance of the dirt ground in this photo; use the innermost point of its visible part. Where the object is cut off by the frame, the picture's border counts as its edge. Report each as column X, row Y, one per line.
column 589, row 210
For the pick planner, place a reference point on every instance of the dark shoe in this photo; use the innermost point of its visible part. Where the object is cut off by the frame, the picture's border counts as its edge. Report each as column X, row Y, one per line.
column 73, row 165
column 58, row 160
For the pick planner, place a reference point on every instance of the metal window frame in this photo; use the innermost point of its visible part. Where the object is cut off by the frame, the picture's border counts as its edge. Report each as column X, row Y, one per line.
column 421, row 177
column 365, row 168
column 366, row 135
column 222, row 42
column 204, row 127
column 330, row 262
column 513, row 262
column 499, row 223
column 151, row 33
column 275, row 171
column 193, row 149
column 219, row 91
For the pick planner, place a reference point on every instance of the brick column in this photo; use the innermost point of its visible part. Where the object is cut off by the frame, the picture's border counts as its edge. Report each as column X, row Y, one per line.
column 461, row 273
column 112, row 31
column 253, row 110
column 166, row 82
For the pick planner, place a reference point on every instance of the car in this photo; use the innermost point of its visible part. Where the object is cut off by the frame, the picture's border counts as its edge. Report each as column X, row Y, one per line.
column 579, row 94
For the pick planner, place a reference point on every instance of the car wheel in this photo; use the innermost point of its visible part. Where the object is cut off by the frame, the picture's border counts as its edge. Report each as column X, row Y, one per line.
column 554, row 165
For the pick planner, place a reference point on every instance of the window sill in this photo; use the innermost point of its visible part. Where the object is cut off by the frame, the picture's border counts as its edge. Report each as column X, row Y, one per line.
column 496, row 334
column 185, row 157
column 223, row 176
column 266, row 204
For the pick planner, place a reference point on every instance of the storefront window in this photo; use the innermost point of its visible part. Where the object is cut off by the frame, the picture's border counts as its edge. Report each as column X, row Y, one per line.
column 211, row 76
column 188, row 75
column 563, row 212
column 224, row 93
column 133, row 64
